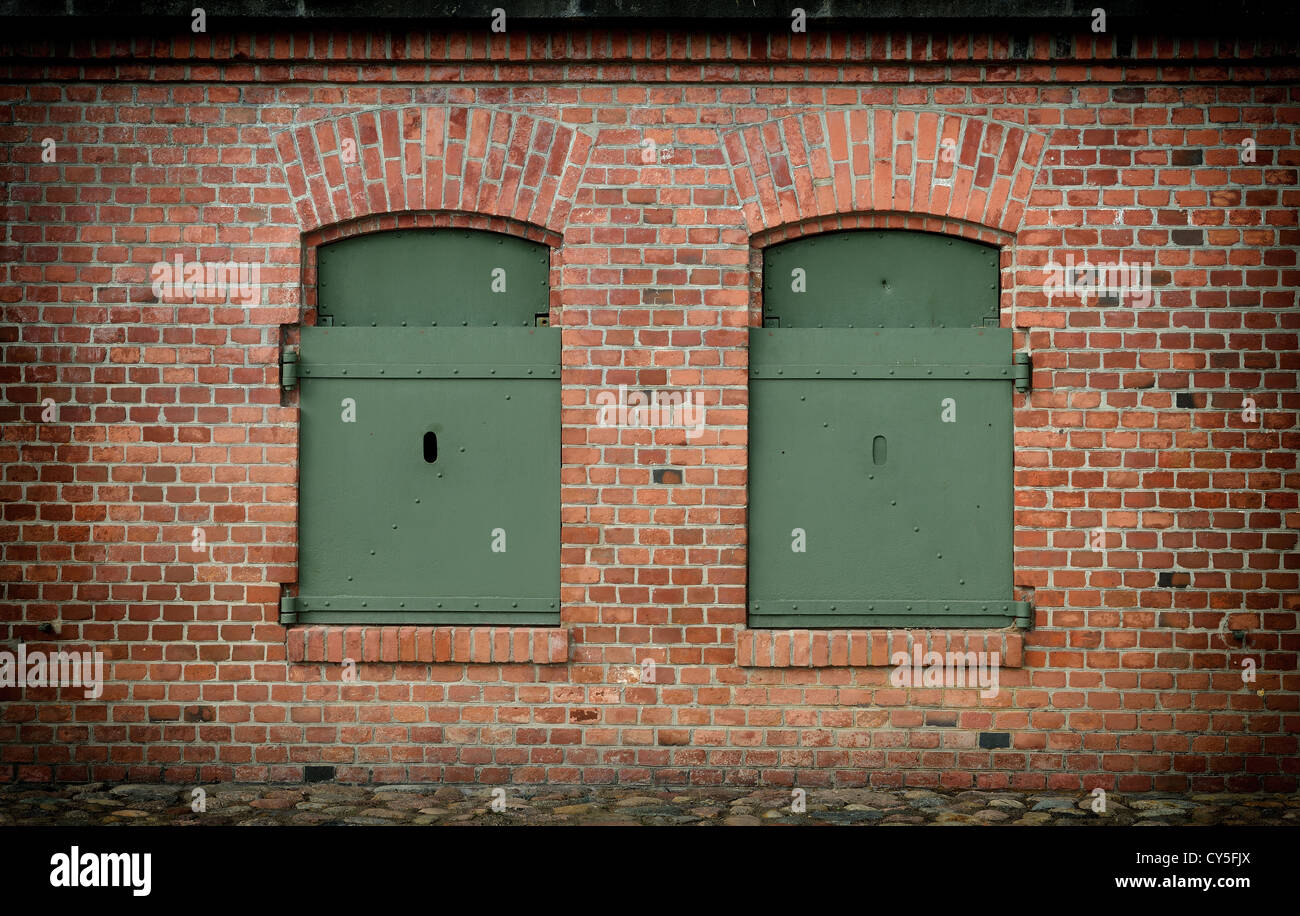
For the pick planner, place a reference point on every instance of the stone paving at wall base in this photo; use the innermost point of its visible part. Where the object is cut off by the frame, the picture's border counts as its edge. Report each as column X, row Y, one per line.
column 319, row 804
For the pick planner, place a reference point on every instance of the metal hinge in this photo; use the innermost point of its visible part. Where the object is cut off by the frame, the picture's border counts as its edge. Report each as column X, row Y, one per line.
column 288, row 609
column 288, row 369
column 1024, row 368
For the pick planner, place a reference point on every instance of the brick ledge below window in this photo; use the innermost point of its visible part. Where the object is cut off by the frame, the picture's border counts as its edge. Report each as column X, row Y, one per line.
column 867, row 648
column 397, row 643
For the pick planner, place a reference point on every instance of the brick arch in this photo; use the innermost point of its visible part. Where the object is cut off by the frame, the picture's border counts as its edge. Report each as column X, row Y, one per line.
column 473, row 159
column 820, row 164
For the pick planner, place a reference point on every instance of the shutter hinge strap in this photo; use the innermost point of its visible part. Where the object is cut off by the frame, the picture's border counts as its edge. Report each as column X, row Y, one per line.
column 288, row 369
column 1023, row 370
column 288, row 609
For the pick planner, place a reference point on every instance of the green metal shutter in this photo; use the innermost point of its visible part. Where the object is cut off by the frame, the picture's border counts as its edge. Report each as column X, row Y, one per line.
column 433, row 278
column 430, row 442
column 880, row 437
column 894, row 279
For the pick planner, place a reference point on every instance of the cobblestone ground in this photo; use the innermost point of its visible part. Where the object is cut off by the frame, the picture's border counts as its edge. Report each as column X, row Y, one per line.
column 328, row 803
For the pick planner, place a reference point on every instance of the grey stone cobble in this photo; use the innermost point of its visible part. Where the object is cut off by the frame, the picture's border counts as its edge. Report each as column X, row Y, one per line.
column 330, row 804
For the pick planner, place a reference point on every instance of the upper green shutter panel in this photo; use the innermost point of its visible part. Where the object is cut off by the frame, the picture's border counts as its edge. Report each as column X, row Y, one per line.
column 429, row 454
column 433, row 278
column 880, row 458
column 880, row 279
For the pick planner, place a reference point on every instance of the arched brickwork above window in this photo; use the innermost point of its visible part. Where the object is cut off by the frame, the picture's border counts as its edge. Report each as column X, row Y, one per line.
column 471, row 159
column 822, row 163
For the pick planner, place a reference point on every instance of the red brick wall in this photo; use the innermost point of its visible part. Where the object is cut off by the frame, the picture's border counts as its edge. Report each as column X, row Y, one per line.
column 169, row 416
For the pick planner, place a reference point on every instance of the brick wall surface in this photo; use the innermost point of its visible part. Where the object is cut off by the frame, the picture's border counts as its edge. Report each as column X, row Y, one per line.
column 1179, row 152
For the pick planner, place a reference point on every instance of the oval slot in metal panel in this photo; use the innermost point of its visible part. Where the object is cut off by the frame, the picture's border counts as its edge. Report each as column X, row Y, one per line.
column 430, row 447
column 879, row 450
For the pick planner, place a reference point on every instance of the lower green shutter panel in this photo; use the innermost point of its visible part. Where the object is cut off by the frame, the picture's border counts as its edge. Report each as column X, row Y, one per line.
column 430, row 476
column 880, row 478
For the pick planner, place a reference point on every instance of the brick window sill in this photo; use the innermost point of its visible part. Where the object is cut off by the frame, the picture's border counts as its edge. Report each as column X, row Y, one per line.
column 867, row 648
column 457, row 644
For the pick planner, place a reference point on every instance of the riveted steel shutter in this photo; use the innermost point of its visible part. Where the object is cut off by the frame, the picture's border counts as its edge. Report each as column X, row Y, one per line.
column 437, row 498
column 433, row 278
column 879, row 279
column 881, row 456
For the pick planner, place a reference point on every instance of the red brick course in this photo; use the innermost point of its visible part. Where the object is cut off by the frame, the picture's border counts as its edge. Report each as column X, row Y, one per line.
column 398, row 643
column 866, row 648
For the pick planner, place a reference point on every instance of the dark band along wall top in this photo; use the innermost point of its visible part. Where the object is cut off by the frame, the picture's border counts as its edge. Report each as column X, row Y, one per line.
column 880, row 436
column 430, row 440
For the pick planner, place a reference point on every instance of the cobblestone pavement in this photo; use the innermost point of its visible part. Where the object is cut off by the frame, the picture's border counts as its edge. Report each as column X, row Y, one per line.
column 332, row 804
